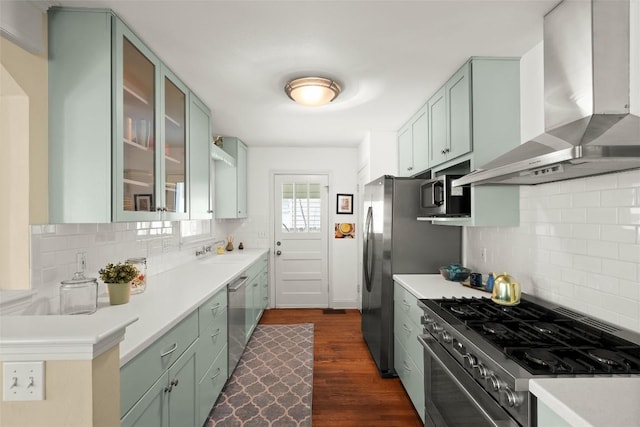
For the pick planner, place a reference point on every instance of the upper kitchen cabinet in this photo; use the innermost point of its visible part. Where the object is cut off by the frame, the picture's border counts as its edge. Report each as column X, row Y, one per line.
column 482, row 123
column 119, row 124
column 231, row 181
column 413, row 149
column 199, row 159
column 449, row 112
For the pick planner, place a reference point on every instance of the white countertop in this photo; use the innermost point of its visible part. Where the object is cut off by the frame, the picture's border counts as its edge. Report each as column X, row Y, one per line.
column 168, row 298
column 431, row 286
column 597, row 402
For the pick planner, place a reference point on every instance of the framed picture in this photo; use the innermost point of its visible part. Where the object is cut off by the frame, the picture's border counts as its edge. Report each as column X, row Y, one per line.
column 345, row 230
column 344, row 204
column 143, row 202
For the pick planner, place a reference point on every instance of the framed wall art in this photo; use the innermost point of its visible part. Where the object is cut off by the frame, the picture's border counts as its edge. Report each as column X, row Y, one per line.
column 143, row 202
column 344, row 204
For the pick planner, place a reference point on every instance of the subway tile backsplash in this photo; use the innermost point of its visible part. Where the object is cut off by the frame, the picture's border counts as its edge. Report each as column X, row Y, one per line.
column 165, row 244
column 578, row 244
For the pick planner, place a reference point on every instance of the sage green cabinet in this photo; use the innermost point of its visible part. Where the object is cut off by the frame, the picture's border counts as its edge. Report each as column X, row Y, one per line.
column 413, row 149
column 119, row 134
column 255, row 293
column 486, row 118
column 171, row 401
column 408, row 353
column 405, row 151
column 449, row 118
column 200, row 200
column 231, row 181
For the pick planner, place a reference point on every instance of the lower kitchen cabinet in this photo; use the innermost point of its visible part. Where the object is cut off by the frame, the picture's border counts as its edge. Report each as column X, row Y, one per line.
column 255, row 302
column 211, row 384
column 177, row 379
column 171, row 400
column 548, row 417
column 408, row 356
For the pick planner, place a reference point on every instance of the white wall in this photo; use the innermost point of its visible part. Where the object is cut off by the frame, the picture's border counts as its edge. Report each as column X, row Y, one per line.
column 378, row 154
column 578, row 243
column 257, row 231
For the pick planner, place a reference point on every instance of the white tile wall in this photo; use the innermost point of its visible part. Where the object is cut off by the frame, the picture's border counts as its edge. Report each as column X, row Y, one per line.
column 578, row 244
column 165, row 244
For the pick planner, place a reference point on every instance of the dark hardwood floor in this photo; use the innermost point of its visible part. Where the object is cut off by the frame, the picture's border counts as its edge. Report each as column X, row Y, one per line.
column 347, row 390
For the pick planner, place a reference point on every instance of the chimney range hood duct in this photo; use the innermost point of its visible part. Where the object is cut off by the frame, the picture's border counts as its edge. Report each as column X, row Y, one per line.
column 591, row 49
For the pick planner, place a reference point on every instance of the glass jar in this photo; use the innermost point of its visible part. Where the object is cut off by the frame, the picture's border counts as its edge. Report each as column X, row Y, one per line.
column 139, row 283
column 79, row 295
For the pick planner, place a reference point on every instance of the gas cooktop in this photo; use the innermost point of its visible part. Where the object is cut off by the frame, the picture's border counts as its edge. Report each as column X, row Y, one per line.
column 544, row 341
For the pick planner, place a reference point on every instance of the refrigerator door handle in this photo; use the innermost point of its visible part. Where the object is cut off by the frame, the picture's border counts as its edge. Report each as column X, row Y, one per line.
column 368, row 261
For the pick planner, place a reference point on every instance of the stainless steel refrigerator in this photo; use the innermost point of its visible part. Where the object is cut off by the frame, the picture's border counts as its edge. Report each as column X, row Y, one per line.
column 395, row 242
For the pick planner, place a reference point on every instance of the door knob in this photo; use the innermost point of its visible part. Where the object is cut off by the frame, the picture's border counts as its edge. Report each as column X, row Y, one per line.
column 278, row 253
column 278, row 243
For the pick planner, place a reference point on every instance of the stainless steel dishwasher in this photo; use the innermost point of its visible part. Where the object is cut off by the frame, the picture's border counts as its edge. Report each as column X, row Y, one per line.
column 237, row 308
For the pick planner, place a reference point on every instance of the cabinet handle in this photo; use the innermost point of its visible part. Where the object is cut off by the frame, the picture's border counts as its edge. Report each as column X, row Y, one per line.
column 447, row 150
column 406, row 328
column 214, row 309
column 168, row 352
column 167, row 389
column 405, row 366
column 443, row 152
column 218, row 372
column 406, row 304
column 209, row 211
column 174, row 383
column 215, row 335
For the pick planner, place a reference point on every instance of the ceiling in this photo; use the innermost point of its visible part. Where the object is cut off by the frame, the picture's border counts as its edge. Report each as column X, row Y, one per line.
column 389, row 57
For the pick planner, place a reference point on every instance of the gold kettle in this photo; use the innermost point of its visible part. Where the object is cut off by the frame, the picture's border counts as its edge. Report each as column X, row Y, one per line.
column 506, row 291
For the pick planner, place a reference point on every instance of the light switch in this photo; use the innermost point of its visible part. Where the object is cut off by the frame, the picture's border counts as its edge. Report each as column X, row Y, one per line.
column 23, row 381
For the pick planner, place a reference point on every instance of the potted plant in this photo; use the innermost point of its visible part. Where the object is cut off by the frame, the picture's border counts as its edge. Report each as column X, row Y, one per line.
column 118, row 278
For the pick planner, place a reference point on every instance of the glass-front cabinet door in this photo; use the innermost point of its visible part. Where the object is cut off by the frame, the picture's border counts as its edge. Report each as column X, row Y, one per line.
column 174, row 172
column 150, row 146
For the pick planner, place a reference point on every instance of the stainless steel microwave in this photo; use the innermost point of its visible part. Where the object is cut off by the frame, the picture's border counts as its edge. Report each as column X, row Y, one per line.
column 439, row 199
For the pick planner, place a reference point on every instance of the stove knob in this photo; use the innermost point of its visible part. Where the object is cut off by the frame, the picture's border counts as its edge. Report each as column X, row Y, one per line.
column 509, row 397
column 426, row 319
column 446, row 337
column 494, row 382
column 470, row 361
column 482, row 371
column 436, row 328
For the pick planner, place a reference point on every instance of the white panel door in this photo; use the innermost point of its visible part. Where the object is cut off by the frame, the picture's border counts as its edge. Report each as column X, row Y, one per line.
column 301, row 240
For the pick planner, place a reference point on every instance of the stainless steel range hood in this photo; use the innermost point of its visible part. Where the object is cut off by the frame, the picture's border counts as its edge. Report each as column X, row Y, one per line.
column 591, row 126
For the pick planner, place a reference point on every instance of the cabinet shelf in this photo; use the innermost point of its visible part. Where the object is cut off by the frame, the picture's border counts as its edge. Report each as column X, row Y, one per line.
column 134, row 182
column 171, row 159
column 135, row 144
column 136, row 95
column 172, row 120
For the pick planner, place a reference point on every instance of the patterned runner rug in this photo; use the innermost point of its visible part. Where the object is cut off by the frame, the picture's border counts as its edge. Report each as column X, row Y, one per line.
column 273, row 383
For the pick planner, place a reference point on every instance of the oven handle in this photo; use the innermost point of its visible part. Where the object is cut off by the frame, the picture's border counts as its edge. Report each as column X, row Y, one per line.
column 497, row 423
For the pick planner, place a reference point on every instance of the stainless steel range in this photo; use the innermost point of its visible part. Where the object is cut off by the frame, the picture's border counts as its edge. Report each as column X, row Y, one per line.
column 479, row 356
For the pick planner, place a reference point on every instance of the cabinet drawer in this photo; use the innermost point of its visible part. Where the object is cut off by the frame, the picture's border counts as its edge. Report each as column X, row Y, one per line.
column 140, row 373
column 213, row 308
column 408, row 303
column 407, row 331
column 212, row 339
column 411, row 377
column 211, row 385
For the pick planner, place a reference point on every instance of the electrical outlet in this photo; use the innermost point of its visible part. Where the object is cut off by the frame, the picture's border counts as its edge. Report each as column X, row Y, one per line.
column 22, row 381
column 262, row 234
column 483, row 254
column 81, row 261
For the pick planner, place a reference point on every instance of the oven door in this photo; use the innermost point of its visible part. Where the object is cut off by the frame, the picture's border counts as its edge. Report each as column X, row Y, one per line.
column 452, row 396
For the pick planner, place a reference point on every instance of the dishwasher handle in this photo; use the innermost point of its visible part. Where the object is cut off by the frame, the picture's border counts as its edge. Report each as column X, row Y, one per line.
column 238, row 283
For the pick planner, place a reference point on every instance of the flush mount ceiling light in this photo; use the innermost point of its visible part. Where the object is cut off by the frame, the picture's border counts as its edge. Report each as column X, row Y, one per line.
column 312, row 91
